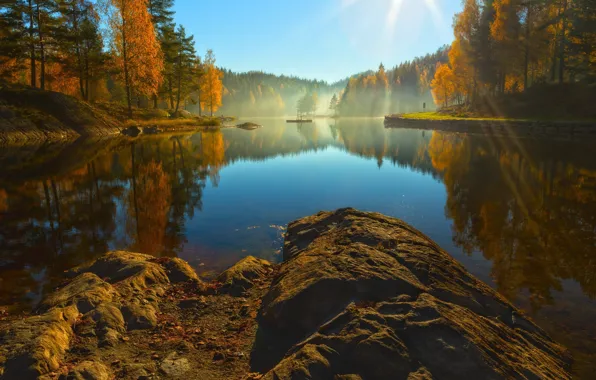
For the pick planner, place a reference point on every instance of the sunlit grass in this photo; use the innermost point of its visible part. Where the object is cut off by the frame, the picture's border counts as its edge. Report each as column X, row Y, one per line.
column 443, row 116
column 170, row 123
column 448, row 116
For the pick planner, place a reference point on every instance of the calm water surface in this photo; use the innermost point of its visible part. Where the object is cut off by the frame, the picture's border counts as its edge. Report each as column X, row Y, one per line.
column 519, row 214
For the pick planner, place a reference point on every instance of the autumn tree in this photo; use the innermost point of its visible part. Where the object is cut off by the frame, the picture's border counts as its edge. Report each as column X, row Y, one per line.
column 211, row 84
column 135, row 47
column 443, row 85
column 582, row 40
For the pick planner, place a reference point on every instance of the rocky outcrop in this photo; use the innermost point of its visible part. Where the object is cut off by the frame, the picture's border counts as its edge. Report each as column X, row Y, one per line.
column 364, row 296
column 29, row 114
column 244, row 274
column 118, row 292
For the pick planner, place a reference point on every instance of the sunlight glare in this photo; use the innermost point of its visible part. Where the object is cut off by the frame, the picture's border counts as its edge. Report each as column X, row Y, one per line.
column 393, row 13
column 435, row 12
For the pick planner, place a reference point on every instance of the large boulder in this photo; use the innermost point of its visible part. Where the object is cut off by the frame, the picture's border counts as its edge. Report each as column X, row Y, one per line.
column 364, row 296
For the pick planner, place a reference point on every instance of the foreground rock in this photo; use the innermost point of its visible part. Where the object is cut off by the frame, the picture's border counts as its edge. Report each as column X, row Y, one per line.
column 117, row 293
column 132, row 316
column 364, row 296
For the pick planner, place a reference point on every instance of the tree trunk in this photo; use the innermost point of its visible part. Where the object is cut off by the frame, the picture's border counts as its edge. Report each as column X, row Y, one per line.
column 199, row 99
column 87, row 75
column 179, row 75
column 170, row 91
column 75, row 26
column 125, row 60
column 562, row 44
column 32, row 46
column 155, row 101
column 42, row 56
column 527, row 47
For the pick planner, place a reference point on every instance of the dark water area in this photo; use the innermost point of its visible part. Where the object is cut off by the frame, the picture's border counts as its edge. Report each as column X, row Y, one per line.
column 519, row 214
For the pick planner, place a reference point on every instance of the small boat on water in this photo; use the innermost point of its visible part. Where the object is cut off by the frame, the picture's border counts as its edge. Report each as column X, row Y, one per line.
column 299, row 121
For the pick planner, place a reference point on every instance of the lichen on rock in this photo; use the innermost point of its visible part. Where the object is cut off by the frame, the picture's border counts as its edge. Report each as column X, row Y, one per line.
column 243, row 274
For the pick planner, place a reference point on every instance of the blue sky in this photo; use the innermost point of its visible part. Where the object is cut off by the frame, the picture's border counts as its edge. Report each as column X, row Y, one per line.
column 322, row 39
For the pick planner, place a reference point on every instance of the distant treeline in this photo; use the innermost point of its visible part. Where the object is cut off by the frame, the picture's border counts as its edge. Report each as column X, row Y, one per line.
column 260, row 94
column 405, row 88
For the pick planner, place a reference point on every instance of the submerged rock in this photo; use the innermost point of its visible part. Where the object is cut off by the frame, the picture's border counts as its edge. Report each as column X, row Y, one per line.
column 366, row 296
column 133, row 131
column 249, row 126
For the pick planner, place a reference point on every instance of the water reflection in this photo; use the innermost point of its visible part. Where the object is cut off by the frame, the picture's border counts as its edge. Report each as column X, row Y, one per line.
column 518, row 213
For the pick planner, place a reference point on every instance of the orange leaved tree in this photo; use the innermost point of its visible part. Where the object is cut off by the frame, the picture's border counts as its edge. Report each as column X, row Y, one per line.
column 443, row 85
column 211, row 85
column 135, row 46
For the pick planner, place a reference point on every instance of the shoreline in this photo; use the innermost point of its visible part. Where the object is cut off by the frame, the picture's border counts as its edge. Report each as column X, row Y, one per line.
column 33, row 116
column 500, row 127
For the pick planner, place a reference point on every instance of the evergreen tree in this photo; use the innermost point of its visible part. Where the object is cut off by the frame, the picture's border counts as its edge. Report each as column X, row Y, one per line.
column 82, row 43
column 185, row 66
column 162, row 17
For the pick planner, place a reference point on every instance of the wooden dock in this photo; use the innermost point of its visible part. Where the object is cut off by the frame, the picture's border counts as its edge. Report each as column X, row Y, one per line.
column 299, row 121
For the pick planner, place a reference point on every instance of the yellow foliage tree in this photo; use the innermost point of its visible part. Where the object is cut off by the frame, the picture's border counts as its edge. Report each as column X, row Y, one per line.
column 211, row 84
column 462, row 78
column 442, row 85
column 136, row 48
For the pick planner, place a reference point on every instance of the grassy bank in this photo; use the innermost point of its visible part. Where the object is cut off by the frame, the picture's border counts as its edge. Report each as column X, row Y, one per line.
column 143, row 117
column 446, row 116
column 570, row 102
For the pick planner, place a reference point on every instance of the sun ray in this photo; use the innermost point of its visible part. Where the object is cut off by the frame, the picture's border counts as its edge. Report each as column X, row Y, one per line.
column 393, row 13
column 435, row 12
column 348, row 3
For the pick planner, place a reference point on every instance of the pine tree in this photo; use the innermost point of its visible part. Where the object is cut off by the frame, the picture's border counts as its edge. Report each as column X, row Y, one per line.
column 162, row 17
column 185, row 66
column 81, row 40
column 13, row 38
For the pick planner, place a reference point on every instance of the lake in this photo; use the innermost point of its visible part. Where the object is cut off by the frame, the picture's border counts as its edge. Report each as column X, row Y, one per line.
column 519, row 214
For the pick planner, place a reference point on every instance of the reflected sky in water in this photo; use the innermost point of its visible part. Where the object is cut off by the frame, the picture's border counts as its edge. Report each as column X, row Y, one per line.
column 519, row 214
